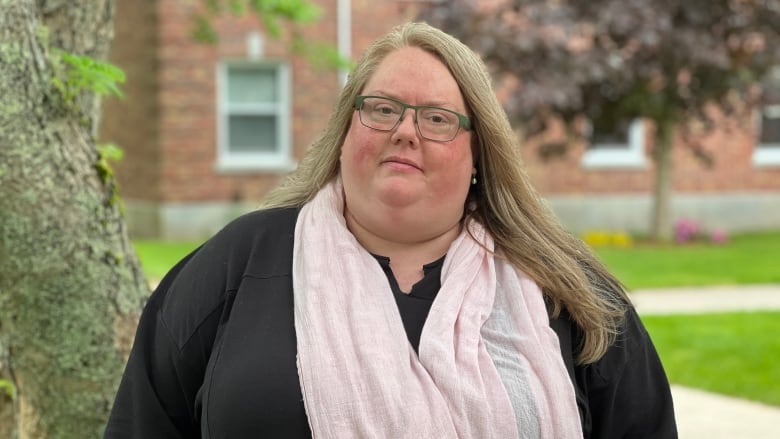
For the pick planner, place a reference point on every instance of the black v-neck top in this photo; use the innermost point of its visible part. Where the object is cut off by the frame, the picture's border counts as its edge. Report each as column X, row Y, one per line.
column 415, row 305
column 215, row 350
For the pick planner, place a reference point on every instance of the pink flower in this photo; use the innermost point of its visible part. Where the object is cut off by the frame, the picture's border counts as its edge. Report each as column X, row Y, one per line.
column 719, row 236
column 685, row 230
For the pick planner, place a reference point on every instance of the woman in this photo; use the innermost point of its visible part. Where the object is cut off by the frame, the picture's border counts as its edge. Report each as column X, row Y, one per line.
column 404, row 281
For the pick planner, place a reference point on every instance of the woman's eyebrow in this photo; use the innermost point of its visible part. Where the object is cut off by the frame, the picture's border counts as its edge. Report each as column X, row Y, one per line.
column 442, row 104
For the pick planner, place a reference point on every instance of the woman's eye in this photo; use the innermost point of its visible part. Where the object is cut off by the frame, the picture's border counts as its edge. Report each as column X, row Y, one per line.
column 384, row 110
column 437, row 119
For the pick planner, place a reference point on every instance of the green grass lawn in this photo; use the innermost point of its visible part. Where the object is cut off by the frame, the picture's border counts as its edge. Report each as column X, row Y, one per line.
column 745, row 259
column 749, row 258
column 157, row 257
column 734, row 354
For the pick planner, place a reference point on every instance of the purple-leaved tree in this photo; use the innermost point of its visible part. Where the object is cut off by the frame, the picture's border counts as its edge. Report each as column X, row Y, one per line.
column 611, row 61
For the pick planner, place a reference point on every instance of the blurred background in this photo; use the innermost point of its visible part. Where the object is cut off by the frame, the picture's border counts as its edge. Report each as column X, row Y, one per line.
column 208, row 128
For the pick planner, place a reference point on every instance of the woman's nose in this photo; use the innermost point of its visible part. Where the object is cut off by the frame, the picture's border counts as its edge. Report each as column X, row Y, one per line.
column 407, row 126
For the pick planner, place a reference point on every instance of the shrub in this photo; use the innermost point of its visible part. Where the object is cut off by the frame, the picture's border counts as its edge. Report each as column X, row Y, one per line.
column 687, row 230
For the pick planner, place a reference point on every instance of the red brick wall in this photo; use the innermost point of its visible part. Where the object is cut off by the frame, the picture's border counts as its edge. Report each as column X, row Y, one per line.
column 374, row 18
column 168, row 123
column 131, row 122
column 730, row 146
column 188, row 121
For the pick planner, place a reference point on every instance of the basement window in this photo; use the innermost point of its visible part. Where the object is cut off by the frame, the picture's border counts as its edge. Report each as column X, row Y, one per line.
column 767, row 151
column 623, row 147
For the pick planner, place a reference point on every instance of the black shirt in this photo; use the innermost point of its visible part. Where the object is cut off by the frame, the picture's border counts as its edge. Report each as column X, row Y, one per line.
column 414, row 306
column 215, row 351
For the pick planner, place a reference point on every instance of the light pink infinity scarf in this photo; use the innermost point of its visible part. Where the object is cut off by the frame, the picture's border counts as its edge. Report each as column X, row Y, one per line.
column 489, row 365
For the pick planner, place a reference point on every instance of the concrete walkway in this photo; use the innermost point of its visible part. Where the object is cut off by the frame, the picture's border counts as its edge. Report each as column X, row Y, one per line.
column 694, row 300
column 707, row 415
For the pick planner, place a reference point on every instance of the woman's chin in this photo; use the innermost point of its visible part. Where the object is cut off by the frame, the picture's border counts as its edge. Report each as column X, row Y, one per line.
column 399, row 195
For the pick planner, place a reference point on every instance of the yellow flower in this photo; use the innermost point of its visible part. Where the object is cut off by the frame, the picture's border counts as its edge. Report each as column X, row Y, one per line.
column 603, row 238
column 622, row 240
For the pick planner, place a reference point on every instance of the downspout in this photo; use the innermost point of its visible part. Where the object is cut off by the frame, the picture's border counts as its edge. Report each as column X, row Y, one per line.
column 344, row 36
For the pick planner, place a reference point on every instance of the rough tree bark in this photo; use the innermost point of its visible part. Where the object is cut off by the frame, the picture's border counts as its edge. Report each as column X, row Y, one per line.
column 70, row 284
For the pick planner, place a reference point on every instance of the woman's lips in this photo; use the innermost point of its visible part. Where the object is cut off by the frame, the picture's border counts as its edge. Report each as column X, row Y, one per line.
column 401, row 164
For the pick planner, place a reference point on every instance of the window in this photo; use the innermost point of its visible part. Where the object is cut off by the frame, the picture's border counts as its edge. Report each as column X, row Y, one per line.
column 623, row 147
column 767, row 151
column 254, row 121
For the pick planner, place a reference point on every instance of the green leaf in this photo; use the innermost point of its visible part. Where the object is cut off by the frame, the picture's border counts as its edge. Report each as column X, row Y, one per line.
column 85, row 73
column 8, row 387
column 237, row 7
column 213, row 6
column 203, row 31
column 272, row 13
column 321, row 55
column 110, row 151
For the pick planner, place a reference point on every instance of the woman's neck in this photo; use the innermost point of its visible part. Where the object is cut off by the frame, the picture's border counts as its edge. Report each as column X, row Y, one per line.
column 408, row 256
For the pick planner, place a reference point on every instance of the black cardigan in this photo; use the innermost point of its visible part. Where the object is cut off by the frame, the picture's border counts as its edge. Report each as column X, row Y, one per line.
column 214, row 353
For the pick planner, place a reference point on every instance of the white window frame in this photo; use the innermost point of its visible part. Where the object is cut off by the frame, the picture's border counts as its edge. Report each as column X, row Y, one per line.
column 620, row 155
column 766, row 154
column 278, row 160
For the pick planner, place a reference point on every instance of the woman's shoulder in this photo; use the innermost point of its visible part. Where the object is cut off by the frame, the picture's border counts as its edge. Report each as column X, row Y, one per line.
column 606, row 389
column 260, row 222
column 241, row 239
column 249, row 240
column 631, row 347
column 257, row 243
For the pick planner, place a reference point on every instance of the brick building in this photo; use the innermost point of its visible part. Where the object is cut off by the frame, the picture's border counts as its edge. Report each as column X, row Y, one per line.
column 208, row 129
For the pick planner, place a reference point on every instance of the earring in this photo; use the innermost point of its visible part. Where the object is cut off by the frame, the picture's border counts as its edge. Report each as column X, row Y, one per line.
column 474, row 179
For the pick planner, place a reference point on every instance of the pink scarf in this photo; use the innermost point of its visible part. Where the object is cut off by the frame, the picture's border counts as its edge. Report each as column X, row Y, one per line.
column 489, row 365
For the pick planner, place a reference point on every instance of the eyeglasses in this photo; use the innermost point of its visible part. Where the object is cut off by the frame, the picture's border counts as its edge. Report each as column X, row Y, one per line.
column 433, row 123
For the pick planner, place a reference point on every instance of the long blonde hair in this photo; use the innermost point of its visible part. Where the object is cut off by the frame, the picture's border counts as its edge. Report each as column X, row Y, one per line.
column 524, row 229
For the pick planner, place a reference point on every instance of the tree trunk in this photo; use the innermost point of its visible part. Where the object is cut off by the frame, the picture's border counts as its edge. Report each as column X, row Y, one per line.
column 70, row 284
column 661, row 229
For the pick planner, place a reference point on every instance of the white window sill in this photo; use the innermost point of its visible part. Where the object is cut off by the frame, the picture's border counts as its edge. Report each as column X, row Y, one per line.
column 766, row 155
column 606, row 159
column 255, row 164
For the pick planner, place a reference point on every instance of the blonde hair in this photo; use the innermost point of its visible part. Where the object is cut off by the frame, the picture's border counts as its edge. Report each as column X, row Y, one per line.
column 524, row 229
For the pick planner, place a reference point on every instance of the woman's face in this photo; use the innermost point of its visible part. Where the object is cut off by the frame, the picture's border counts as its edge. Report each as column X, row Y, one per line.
column 397, row 174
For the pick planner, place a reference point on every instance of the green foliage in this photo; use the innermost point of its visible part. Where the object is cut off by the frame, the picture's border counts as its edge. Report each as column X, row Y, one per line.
column 321, row 55
column 270, row 12
column 745, row 259
column 107, row 153
column 78, row 73
column 8, row 387
column 734, row 353
column 202, row 30
column 110, row 151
